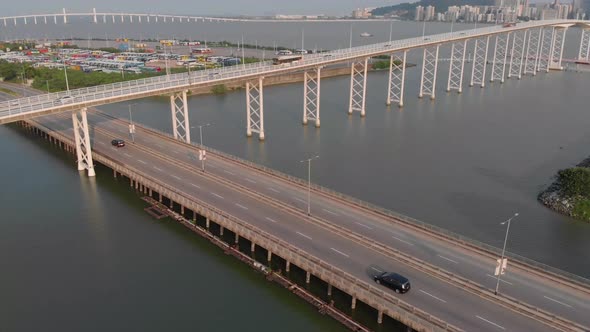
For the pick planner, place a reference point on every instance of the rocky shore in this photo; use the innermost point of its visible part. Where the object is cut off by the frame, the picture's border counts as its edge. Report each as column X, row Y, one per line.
column 554, row 198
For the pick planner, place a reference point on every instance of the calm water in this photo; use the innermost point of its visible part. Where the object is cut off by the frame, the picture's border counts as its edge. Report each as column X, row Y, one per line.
column 69, row 244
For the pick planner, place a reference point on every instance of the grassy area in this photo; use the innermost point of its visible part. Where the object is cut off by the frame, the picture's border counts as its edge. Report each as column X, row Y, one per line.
column 8, row 91
column 574, row 184
column 582, row 209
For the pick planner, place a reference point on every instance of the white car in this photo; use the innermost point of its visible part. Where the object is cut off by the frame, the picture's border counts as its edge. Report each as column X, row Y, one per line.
column 65, row 99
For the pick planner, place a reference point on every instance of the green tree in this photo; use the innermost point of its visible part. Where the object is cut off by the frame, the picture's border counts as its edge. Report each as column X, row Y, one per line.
column 575, row 181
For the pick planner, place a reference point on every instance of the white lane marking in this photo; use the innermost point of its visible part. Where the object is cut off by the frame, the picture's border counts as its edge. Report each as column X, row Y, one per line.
column 158, row 169
column 141, row 161
column 376, row 269
column 194, row 185
column 175, row 151
column 554, row 300
column 127, row 154
column 305, row 236
column 404, row 241
column 176, row 177
column 495, row 277
column 487, row 321
column 214, row 194
column 102, row 143
column 361, row 224
column 273, row 189
column 301, row 200
column 240, row 205
column 438, row 298
column 228, row 172
column 330, row 212
column 270, row 219
column 448, row 259
column 340, row 252
column 250, row 180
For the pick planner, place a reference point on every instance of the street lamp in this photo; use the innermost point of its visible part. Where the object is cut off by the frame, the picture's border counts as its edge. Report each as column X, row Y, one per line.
column 65, row 71
column 202, row 152
column 500, row 270
column 131, row 125
column 308, row 161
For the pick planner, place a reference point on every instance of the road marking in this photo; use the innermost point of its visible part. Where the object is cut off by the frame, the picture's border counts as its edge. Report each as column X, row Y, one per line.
column 365, row 226
column 250, row 180
column 127, row 154
column 175, row 151
column 158, row 169
column 102, row 143
column 438, row 298
column 330, row 212
column 305, row 236
column 495, row 277
column 141, row 161
column 270, row 219
column 301, row 200
column 376, row 269
column 554, row 300
column 448, row 259
column 214, row 194
column 159, row 145
column 404, row 241
column 340, row 252
column 487, row 321
column 194, row 185
column 228, row 172
column 273, row 189
column 243, row 207
column 176, row 177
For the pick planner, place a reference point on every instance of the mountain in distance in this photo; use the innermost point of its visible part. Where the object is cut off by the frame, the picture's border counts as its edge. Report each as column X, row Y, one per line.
column 439, row 5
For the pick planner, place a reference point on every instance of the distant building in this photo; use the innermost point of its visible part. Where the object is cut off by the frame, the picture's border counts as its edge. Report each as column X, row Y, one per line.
column 429, row 13
column 419, row 13
column 361, row 13
column 549, row 14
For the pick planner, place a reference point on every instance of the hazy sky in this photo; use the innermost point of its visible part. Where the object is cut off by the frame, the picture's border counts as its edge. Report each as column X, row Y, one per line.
column 196, row 7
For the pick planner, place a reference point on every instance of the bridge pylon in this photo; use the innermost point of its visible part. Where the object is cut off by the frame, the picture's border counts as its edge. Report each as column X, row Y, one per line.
column 584, row 53
column 480, row 61
column 358, row 86
column 255, row 108
column 545, row 49
column 82, row 140
column 397, row 76
column 517, row 54
column 180, row 120
column 556, row 54
column 429, row 69
column 456, row 66
column 500, row 55
column 532, row 51
column 311, row 97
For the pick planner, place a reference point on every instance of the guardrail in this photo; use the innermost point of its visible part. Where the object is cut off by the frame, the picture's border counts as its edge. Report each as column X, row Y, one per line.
column 210, row 76
column 362, row 290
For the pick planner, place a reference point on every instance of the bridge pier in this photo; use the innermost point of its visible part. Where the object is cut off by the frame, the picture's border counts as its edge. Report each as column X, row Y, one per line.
column 287, row 266
column 584, row 53
column 358, row 86
column 456, row 66
column 517, row 52
column 269, row 257
column 82, row 139
column 307, row 277
column 329, row 289
column 397, row 77
column 252, row 247
column 545, row 49
column 557, row 43
column 380, row 316
column 311, row 97
column 180, row 120
column 220, row 231
column 207, row 223
column 255, row 108
column 429, row 69
column 500, row 56
column 532, row 51
column 353, row 304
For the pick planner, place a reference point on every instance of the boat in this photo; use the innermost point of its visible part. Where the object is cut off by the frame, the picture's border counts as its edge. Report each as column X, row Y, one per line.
column 366, row 34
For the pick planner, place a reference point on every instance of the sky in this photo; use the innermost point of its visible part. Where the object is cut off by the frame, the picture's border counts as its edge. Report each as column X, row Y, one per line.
column 195, row 7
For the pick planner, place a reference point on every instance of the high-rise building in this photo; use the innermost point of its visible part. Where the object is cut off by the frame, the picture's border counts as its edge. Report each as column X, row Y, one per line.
column 419, row 13
column 429, row 13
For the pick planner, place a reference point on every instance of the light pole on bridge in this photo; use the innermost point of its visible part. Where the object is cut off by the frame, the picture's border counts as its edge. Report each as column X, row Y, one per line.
column 202, row 155
column 131, row 125
column 308, row 161
column 500, row 268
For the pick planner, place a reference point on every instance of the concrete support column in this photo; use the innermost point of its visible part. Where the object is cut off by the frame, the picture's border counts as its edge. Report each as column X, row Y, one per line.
column 353, row 304
column 171, row 204
column 269, row 257
column 358, row 86
column 207, row 223
column 397, row 77
column 307, row 277
column 255, row 108
column 182, row 210
column 329, row 289
column 456, row 66
column 220, row 231
column 429, row 69
column 380, row 317
column 500, row 56
column 252, row 247
column 288, row 266
column 311, row 97
column 150, row 192
column 179, row 112
column 82, row 139
column 160, row 198
column 236, row 239
column 194, row 215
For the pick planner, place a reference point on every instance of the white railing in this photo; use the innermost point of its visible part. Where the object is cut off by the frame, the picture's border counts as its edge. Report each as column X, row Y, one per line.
column 104, row 93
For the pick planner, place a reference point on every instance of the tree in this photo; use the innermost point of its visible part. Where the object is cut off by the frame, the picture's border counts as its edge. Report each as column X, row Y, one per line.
column 575, row 181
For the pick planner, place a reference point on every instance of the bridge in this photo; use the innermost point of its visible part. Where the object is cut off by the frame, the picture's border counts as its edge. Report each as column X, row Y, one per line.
column 343, row 241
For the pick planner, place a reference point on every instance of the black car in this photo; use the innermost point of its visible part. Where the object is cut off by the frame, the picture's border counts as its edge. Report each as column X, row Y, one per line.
column 118, row 143
column 398, row 283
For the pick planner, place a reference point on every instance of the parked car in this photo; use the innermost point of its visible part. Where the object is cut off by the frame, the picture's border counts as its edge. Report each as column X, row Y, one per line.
column 397, row 282
column 118, row 143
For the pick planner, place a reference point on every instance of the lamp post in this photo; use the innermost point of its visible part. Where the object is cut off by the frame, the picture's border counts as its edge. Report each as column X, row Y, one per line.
column 202, row 152
column 65, row 72
column 503, row 250
column 308, row 161
column 131, row 125
column 423, row 29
